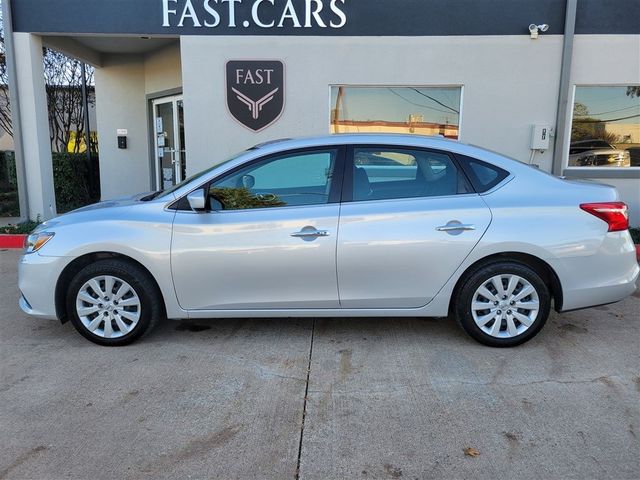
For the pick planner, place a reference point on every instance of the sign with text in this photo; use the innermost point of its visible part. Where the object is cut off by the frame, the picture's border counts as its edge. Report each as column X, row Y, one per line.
column 318, row 17
column 255, row 92
column 264, row 14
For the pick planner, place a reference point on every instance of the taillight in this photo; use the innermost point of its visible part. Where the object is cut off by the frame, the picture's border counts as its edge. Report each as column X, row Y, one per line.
column 614, row 213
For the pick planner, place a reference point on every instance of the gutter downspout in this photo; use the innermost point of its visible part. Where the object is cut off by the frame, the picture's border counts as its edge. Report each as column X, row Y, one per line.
column 563, row 119
column 14, row 98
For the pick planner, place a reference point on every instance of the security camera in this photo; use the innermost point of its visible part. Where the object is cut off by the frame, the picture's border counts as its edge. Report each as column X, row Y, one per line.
column 534, row 29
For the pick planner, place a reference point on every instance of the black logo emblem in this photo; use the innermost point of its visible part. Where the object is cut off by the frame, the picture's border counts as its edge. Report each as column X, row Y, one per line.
column 255, row 92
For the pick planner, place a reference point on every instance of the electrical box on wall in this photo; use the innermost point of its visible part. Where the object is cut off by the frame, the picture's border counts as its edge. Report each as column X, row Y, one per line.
column 540, row 135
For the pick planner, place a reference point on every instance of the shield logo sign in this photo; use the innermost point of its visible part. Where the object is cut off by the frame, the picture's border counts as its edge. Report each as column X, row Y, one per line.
column 255, row 92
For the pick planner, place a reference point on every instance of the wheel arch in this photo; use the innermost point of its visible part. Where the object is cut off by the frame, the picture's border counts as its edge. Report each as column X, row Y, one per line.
column 541, row 267
column 78, row 264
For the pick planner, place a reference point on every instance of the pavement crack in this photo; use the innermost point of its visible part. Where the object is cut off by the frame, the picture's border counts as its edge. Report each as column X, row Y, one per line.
column 304, row 404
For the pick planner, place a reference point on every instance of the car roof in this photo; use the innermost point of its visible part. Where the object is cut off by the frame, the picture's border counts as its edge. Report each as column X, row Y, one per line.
column 391, row 139
column 352, row 138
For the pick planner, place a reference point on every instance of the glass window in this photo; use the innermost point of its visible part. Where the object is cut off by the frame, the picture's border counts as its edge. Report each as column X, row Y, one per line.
column 483, row 176
column 398, row 173
column 289, row 180
column 605, row 131
column 418, row 110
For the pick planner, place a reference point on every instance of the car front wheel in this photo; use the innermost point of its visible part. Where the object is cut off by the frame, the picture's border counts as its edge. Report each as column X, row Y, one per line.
column 112, row 302
column 503, row 304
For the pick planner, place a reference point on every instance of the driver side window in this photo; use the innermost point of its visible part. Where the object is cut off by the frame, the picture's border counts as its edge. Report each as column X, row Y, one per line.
column 296, row 179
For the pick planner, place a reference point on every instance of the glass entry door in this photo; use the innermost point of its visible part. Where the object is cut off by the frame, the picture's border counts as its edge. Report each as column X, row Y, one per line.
column 171, row 167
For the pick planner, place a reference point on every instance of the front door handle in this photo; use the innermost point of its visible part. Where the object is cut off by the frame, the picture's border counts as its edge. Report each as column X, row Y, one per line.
column 455, row 227
column 310, row 233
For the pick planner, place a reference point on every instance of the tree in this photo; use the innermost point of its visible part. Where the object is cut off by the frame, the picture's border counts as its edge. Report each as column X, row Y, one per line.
column 63, row 83
column 585, row 127
column 633, row 91
column 5, row 108
column 580, row 110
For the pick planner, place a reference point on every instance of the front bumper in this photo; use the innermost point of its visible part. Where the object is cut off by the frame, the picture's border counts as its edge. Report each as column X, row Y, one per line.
column 37, row 279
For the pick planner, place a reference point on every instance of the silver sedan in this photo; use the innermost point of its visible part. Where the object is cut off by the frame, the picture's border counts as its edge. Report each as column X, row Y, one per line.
column 346, row 225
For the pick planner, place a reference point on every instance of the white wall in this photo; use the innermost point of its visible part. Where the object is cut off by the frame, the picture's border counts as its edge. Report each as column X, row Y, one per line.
column 163, row 69
column 509, row 83
column 122, row 84
column 120, row 103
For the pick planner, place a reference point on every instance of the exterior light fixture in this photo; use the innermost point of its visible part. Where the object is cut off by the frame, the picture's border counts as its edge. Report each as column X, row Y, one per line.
column 535, row 30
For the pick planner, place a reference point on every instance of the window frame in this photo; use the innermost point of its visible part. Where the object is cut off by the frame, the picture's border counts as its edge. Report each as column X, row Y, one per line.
column 334, row 193
column 349, row 166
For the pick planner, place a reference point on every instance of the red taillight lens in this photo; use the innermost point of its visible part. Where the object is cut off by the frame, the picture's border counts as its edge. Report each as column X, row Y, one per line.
column 614, row 213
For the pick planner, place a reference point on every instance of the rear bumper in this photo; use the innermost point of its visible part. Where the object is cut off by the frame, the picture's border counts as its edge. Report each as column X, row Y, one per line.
column 607, row 276
column 600, row 296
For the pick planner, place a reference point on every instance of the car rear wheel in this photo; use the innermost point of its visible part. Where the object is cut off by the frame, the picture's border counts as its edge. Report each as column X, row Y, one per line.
column 503, row 304
column 113, row 302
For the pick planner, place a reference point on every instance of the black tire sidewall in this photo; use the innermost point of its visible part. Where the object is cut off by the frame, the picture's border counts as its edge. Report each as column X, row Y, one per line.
column 134, row 276
column 472, row 283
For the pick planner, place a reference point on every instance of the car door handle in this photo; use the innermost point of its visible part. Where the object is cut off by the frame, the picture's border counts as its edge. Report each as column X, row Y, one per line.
column 453, row 228
column 310, row 233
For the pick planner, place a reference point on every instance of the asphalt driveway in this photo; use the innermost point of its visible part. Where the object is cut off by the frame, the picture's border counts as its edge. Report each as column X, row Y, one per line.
column 319, row 399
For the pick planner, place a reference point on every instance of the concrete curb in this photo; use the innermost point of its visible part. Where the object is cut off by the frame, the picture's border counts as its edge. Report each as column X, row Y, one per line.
column 12, row 241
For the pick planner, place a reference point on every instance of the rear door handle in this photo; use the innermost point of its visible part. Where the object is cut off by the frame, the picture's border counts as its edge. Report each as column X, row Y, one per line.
column 453, row 228
column 310, row 233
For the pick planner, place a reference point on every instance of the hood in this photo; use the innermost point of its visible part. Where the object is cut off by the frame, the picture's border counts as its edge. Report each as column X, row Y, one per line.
column 116, row 208
column 116, row 202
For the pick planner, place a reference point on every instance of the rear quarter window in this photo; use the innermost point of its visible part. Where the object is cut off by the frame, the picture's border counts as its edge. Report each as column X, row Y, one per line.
column 483, row 176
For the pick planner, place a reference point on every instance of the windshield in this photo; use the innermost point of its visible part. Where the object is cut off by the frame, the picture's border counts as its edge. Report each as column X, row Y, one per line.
column 169, row 191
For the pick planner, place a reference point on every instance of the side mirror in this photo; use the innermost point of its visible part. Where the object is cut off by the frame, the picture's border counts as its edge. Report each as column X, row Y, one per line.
column 197, row 200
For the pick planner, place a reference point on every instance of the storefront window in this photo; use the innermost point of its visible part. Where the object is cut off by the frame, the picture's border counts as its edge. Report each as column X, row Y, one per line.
column 605, row 131
column 418, row 110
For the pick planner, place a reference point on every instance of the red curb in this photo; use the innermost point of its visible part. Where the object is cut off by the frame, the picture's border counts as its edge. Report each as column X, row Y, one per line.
column 12, row 241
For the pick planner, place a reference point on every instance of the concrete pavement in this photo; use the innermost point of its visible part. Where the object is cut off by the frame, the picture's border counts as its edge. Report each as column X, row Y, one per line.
column 385, row 398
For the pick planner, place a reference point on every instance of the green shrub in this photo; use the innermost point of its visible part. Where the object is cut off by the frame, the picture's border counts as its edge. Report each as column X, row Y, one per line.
column 9, row 205
column 19, row 228
column 73, row 183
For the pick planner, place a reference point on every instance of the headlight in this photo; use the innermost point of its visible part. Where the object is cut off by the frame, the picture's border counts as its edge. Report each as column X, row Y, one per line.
column 36, row 241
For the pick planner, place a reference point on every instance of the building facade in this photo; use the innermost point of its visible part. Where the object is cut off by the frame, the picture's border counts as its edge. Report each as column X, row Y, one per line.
column 183, row 84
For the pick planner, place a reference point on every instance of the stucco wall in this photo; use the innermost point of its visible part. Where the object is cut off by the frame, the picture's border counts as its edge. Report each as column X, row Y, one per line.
column 122, row 84
column 509, row 83
column 163, row 69
column 120, row 103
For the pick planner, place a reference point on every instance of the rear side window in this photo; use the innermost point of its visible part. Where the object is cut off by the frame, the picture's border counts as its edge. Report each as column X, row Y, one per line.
column 483, row 176
column 392, row 173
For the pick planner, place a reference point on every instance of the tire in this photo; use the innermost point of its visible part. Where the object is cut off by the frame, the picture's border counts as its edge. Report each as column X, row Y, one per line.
column 122, row 315
column 521, row 306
